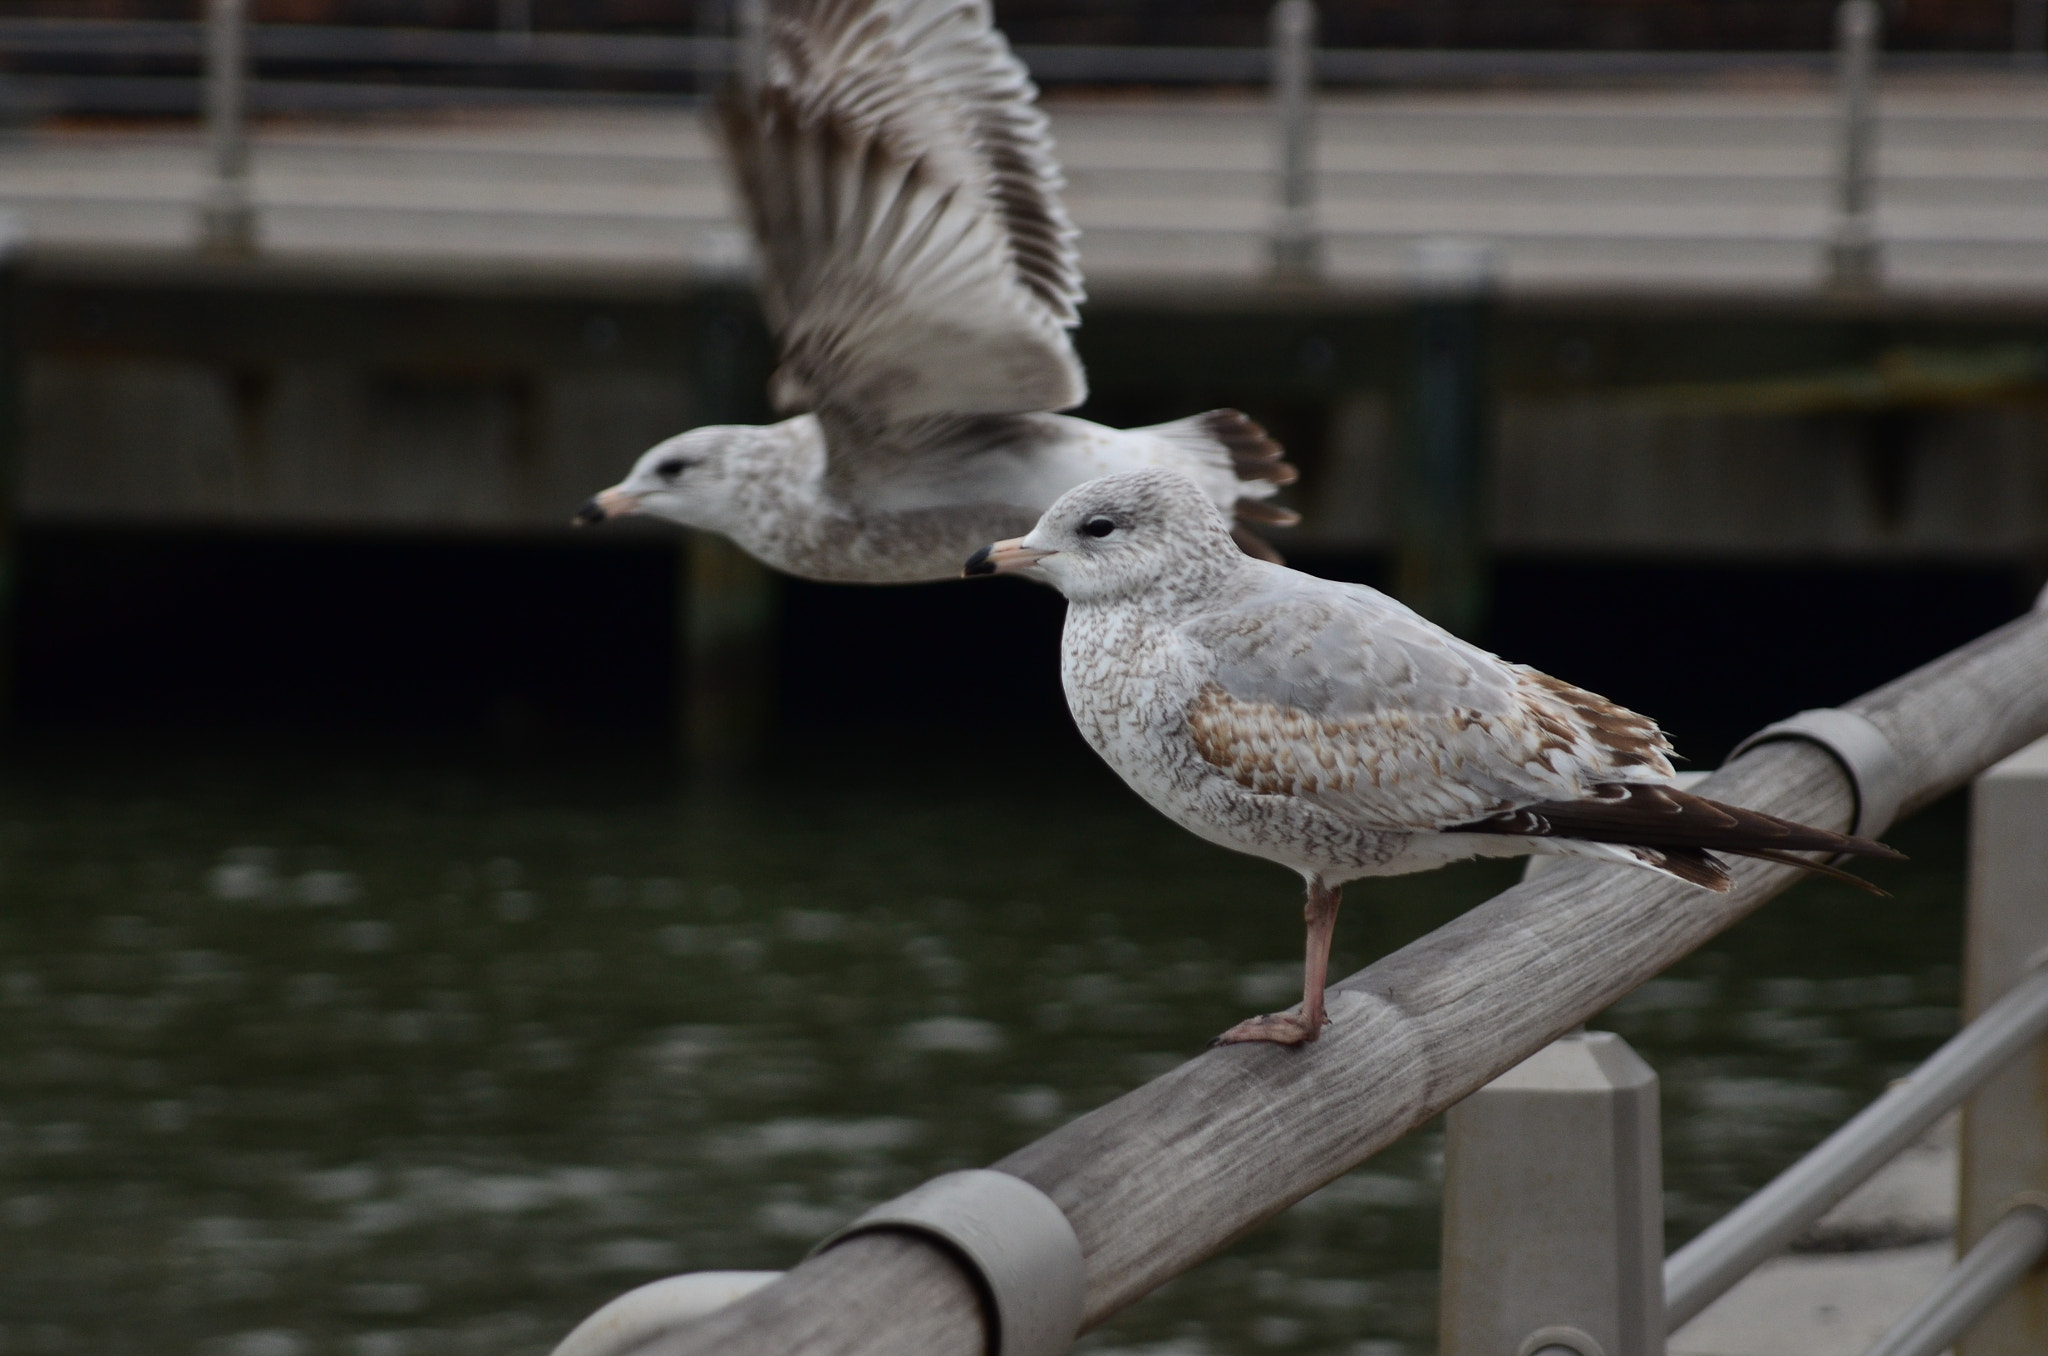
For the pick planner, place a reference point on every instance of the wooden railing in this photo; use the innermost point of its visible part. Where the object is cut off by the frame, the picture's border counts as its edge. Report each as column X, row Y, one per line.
column 1163, row 1177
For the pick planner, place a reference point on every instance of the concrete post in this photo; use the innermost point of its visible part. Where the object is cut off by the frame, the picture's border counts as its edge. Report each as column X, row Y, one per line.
column 1296, row 248
column 1440, row 566
column 726, row 631
column 227, row 222
column 1554, row 1210
column 1854, row 257
column 2005, row 1125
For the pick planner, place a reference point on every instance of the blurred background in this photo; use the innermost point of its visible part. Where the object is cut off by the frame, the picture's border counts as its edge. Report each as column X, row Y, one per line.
column 426, row 921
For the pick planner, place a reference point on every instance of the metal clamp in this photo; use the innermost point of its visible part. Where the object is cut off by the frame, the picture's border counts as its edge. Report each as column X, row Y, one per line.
column 1559, row 1341
column 1873, row 765
column 1015, row 1240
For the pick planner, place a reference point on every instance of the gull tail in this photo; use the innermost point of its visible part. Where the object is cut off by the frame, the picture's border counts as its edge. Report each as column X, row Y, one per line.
column 1257, row 462
column 1676, row 832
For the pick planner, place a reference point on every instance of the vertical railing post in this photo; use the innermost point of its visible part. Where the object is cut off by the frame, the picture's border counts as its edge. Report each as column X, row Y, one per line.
column 1296, row 247
column 750, row 41
column 1440, row 566
column 227, row 222
column 1554, row 1210
column 13, row 260
column 726, row 630
column 515, row 22
column 2005, row 1124
column 2029, row 34
column 1854, row 257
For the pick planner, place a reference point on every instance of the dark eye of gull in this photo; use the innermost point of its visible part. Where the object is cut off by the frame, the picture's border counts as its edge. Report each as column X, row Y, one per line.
column 670, row 469
column 1099, row 526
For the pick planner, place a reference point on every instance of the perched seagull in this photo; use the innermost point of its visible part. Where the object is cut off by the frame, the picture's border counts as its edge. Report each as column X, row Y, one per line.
column 920, row 274
column 1326, row 727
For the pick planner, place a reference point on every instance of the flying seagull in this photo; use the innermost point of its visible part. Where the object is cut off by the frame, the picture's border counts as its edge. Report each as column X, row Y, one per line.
column 1326, row 727
column 920, row 274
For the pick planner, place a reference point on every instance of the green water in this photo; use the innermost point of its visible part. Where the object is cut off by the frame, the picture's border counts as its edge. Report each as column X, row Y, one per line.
column 301, row 1060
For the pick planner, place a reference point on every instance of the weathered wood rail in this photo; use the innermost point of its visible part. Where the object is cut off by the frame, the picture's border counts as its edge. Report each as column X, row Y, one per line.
column 1163, row 1177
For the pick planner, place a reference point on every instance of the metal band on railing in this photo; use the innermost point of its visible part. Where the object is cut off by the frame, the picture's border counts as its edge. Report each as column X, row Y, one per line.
column 640, row 1316
column 1874, row 766
column 1013, row 1237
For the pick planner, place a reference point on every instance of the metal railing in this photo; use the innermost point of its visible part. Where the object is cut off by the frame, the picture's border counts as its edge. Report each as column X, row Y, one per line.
column 1761, row 1227
column 1153, row 1183
column 1851, row 250
column 61, row 65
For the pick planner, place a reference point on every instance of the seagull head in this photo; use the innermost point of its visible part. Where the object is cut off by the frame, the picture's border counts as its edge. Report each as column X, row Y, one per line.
column 1119, row 537
column 683, row 479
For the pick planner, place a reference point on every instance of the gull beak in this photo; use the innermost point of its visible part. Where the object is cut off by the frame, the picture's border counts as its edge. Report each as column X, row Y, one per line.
column 1004, row 557
column 613, row 503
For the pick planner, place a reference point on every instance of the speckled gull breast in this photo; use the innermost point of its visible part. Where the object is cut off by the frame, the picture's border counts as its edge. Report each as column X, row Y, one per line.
column 1328, row 728
column 920, row 273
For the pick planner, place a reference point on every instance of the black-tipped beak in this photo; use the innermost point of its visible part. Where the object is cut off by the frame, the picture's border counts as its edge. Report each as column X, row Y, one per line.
column 1004, row 557
column 590, row 515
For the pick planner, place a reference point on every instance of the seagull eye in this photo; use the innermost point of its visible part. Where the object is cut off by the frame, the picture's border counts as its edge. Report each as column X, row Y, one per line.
column 1099, row 526
column 670, row 469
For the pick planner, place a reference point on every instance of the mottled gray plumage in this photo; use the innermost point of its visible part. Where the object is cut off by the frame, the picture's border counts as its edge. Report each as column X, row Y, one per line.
column 1326, row 727
column 920, row 273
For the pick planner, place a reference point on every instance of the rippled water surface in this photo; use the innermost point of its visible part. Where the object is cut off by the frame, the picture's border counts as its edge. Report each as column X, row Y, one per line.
column 342, row 1060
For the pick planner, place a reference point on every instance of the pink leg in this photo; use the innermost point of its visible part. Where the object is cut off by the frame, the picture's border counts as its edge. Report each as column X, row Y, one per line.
column 1291, row 1028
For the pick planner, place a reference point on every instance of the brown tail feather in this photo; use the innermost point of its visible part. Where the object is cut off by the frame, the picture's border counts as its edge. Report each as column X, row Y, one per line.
column 1253, row 453
column 1264, row 513
column 1819, row 869
column 1254, row 545
column 1657, row 816
column 1696, row 865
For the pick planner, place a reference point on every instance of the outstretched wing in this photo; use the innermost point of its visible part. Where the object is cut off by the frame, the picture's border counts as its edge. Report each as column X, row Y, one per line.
column 1340, row 695
column 916, row 259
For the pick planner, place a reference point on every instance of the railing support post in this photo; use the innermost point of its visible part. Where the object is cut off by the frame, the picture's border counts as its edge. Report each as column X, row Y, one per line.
column 1553, row 1208
column 227, row 222
column 13, row 258
column 2005, row 1124
column 2029, row 33
column 1296, row 248
column 1855, row 258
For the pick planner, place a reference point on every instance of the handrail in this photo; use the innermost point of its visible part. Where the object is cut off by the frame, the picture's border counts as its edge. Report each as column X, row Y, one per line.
column 1704, row 1269
column 1161, row 1178
column 182, row 40
column 2006, row 1252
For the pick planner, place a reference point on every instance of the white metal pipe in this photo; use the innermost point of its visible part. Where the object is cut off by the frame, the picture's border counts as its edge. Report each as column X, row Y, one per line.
column 2008, row 1250
column 1700, row 1272
column 1296, row 251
